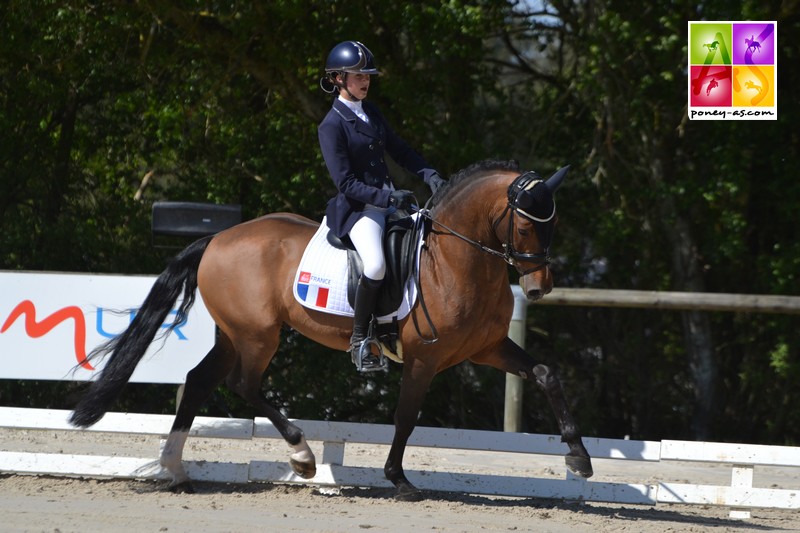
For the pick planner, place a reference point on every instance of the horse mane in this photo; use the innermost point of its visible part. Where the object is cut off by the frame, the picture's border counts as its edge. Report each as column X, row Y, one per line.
column 465, row 174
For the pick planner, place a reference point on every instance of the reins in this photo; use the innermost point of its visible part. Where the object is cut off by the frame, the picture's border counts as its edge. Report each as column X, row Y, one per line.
column 419, row 224
column 482, row 247
column 509, row 254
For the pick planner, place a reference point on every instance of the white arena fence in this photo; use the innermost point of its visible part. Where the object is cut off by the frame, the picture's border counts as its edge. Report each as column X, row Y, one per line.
column 55, row 318
column 740, row 495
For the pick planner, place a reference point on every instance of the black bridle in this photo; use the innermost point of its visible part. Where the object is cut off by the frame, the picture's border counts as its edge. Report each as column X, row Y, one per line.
column 521, row 200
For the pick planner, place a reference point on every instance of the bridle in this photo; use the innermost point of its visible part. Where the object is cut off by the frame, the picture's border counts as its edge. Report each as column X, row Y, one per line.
column 518, row 201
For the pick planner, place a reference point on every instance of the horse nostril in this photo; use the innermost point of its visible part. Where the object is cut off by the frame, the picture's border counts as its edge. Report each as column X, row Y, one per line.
column 534, row 295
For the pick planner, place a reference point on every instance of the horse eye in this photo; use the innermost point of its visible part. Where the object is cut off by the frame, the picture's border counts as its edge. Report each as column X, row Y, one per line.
column 523, row 232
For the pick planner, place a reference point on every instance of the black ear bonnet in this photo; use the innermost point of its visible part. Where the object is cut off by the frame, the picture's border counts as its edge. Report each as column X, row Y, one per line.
column 531, row 198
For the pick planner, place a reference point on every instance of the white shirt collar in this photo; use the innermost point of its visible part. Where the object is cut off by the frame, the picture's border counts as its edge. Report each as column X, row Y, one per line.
column 355, row 107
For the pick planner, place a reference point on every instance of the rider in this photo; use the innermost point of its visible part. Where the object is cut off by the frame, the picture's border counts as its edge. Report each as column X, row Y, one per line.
column 353, row 137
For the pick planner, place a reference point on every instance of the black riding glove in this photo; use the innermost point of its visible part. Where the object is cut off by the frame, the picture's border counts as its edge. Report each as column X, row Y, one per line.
column 435, row 181
column 401, row 199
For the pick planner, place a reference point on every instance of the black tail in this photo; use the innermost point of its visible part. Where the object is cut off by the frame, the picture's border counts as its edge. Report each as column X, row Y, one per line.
column 129, row 347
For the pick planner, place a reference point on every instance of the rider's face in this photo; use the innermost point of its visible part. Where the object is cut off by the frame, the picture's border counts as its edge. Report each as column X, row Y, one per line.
column 357, row 86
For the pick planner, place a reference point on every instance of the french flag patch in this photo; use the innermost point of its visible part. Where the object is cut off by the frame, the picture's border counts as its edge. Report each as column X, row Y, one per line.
column 311, row 293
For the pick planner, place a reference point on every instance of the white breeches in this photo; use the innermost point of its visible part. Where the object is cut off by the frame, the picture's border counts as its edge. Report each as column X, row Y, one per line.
column 367, row 237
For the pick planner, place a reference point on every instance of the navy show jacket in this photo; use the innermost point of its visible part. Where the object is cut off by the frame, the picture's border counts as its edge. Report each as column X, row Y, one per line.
column 354, row 154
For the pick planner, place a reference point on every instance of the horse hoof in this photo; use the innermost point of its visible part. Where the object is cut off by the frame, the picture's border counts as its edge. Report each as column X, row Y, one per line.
column 407, row 493
column 304, row 470
column 581, row 466
column 184, row 487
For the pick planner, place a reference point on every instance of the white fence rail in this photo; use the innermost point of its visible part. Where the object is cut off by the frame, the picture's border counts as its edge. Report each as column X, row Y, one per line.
column 740, row 495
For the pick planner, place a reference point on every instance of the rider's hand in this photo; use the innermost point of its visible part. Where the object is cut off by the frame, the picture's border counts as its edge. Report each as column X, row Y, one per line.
column 401, row 199
column 435, row 182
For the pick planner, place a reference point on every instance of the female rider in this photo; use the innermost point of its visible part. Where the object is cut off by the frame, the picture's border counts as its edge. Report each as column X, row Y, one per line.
column 353, row 137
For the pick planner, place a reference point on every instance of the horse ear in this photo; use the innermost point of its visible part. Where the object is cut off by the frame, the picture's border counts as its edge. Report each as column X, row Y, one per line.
column 525, row 199
column 554, row 181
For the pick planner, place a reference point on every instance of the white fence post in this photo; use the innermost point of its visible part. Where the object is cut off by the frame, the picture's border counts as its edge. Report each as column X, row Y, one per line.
column 512, row 416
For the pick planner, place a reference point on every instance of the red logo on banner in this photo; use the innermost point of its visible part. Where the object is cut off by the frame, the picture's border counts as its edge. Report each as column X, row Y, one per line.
column 36, row 329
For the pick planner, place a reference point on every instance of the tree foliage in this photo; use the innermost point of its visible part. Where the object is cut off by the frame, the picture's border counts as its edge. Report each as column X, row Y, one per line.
column 106, row 107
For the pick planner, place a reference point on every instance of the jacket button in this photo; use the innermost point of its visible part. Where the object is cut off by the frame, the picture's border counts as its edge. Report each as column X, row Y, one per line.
column 372, row 163
column 371, row 146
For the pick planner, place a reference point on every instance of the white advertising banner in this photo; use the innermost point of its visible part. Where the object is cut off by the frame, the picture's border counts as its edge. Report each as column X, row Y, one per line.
column 49, row 322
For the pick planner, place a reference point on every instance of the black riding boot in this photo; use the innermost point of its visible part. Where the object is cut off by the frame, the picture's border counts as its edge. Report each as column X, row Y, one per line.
column 366, row 298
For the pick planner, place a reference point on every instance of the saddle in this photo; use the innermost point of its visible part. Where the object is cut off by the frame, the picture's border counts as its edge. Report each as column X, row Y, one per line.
column 399, row 248
column 400, row 240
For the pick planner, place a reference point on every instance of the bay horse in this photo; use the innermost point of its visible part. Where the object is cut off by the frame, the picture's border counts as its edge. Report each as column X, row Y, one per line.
column 480, row 220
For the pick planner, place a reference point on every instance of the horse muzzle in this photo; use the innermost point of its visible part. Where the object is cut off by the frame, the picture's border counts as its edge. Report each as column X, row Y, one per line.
column 537, row 284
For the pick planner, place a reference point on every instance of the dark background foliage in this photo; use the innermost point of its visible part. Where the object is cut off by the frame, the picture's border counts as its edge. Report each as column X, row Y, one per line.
column 106, row 107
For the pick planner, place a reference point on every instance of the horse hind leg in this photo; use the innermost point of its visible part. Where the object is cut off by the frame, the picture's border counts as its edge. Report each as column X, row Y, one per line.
column 200, row 383
column 245, row 380
column 302, row 460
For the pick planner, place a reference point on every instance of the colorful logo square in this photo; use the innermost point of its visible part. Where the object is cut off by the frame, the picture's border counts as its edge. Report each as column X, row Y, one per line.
column 711, row 86
column 754, row 43
column 710, row 43
column 754, row 86
column 732, row 70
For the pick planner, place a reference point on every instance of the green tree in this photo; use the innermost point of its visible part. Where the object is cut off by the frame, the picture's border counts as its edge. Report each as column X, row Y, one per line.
column 666, row 204
column 105, row 108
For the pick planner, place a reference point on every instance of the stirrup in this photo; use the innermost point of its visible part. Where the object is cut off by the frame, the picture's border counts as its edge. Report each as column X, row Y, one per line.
column 365, row 360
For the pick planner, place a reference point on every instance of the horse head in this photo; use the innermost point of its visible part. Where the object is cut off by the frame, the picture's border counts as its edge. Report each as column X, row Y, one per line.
column 521, row 222
column 530, row 228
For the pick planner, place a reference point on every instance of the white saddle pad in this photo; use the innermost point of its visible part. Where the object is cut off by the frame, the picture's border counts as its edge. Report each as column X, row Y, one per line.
column 321, row 279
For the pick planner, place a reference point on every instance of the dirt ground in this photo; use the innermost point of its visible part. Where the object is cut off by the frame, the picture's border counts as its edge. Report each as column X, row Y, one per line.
column 49, row 504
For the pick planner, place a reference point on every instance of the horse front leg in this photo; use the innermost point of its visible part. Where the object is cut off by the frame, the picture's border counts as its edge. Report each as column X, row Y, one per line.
column 577, row 460
column 417, row 377
column 509, row 357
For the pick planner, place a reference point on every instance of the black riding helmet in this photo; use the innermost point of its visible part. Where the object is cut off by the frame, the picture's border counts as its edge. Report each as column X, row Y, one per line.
column 347, row 57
